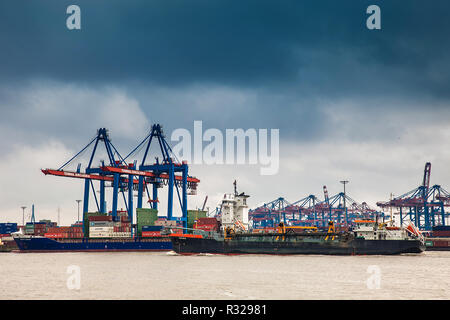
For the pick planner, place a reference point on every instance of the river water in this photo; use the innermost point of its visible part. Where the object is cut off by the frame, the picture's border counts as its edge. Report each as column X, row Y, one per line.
column 162, row 275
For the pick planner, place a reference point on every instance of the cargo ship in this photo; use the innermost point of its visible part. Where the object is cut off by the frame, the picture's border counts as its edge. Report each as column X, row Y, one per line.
column 31, row 243
column 104, row 232
column 97, row 232
column 367, row 238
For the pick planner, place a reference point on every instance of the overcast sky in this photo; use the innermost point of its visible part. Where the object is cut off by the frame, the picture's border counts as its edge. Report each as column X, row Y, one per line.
column 368, row 106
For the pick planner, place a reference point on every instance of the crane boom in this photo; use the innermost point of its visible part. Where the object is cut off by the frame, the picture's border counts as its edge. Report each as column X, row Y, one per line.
column 72, row 174
column 146, row 173
column 204, row 203
column 426, row 179
column 325, row 193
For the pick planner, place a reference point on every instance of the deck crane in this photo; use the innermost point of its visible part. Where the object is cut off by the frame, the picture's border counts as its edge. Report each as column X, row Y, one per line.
column 204, row 203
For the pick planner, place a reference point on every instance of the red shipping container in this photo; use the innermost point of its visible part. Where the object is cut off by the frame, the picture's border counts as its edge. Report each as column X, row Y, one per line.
column 207, row 227
column 54, row 235
column 151, row 233
column 442, row 233
column 61, row 229
column 440, row 243
column 100, row 218
column 207, row 221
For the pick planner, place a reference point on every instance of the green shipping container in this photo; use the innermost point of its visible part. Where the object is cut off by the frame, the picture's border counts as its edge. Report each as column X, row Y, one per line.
column 193, row 215
column 145, row 217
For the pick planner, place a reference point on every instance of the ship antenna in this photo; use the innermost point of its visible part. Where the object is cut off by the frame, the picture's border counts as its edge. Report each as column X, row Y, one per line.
column 235, row 187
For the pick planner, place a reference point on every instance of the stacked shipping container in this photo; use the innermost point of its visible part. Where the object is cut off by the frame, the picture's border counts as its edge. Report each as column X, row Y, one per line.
column 441, row 231
column 151, row 231
column 36, row 228
column 440, row 238
column 207, row 224
column 64, row 232
column 145, row 217
column 193, row 215
column 7, row 228
column 109, row 226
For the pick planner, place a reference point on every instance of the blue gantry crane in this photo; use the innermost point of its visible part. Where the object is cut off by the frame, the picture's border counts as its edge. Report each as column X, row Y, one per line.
column 163, row 172
column 269, row 214
column 97, row 173
column 122, row 175
column 424, row 205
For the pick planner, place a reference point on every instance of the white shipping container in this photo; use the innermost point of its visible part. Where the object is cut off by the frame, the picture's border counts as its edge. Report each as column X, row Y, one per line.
column 108, row 229
column 100, row 235
column 121, row 234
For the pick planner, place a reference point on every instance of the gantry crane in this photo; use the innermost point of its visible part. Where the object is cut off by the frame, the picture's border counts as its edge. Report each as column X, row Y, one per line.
column 425, row 206
column 122, row 175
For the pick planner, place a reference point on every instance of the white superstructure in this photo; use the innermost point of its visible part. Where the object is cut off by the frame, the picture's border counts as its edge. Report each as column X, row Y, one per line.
column 234, row 211
column 371, row 230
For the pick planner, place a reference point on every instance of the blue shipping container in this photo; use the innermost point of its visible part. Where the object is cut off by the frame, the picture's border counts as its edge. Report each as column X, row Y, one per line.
column 152, row 228
column 441, row 228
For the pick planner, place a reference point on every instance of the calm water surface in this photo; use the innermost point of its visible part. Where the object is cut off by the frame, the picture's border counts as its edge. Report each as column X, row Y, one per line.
column 167, row 276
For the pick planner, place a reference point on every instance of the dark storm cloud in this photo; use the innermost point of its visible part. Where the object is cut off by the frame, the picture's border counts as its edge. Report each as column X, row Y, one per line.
column 309, row 68
column 318, row 47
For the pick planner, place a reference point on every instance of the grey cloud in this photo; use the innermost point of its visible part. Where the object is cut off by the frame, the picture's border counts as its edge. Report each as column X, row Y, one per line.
column 321, row 45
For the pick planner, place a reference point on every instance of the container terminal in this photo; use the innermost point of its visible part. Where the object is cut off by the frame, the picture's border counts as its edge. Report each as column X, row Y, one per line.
column 366, row 237
column 117, row 230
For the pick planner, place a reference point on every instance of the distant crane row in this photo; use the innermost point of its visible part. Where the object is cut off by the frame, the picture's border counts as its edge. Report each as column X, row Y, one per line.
column 424, row 206
column 310, row 211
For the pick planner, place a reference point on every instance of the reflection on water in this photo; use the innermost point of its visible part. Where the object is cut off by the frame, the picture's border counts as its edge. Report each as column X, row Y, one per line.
column 165, row 275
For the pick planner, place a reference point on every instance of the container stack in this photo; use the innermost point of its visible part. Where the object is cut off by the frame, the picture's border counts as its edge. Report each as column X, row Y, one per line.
column 100, row 226
column 7, row 228
column 145, row 217
column 441, row 231
column 121, row 226
column 193, row 215
column 49, row 223
column 36, row 228
column 73, row 232
column 207, row 224
column 151, row 231
column 440, row 237
column 103, row 226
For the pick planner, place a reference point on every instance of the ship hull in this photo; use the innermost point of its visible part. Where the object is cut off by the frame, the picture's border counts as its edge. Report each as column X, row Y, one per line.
column 353, row 247
column 42, row 244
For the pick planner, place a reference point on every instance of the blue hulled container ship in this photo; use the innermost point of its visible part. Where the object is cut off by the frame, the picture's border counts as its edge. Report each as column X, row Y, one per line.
column 31, row 243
